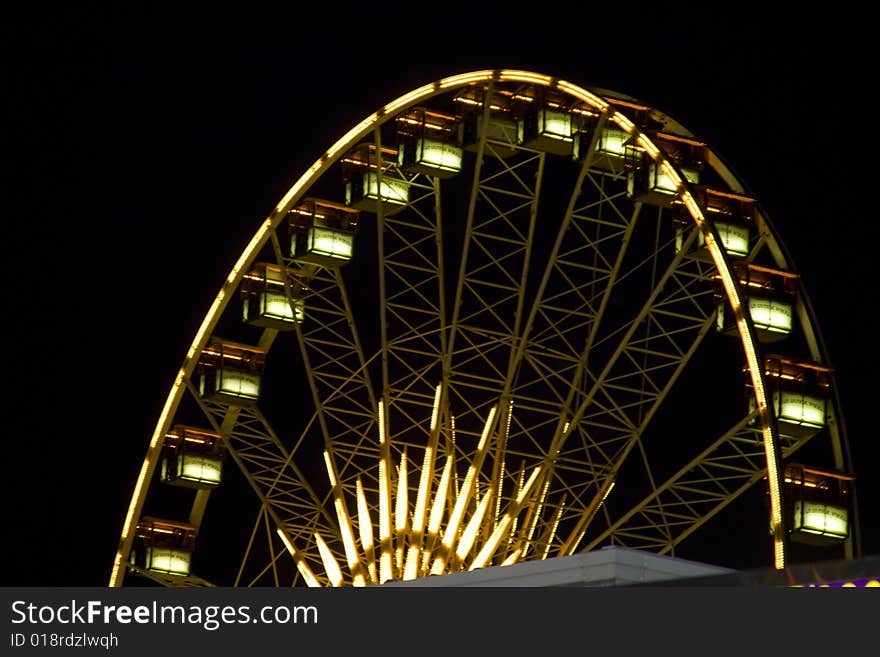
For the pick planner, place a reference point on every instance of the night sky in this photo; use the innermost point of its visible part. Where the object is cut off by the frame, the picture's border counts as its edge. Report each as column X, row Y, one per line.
column 148, row 147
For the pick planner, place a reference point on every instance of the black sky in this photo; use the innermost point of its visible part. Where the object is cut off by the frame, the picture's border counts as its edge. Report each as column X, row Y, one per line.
column 148, row 146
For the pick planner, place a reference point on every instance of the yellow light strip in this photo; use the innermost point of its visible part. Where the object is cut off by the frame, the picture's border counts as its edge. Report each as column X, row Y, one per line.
column 488, row 550
column 554, row 526
column 498, row 493
column 521, row 482
column 331, row 474
column 301, row 565
column 365, row 527
column 537, row 510
column 355, row 133
column 450, row 536
column 114, row 574
column 577, row 534
column 485, row 435
column 464, row 78
column 501, row 466
column 412, row 96
column 435, row 411
column 470, row 533
column 525, row 76
column 608, row 492
column 385, row 549
column 401, row 512
column 424, row 490
column 413, row 556
column 385, row 544
column 142, row 477
column 654, row 152
column 453, row 491
column 512, row 558
column 437, row 510
column 411, row 564
column 345, row 528
column 330, row 565
column 622, row 121
column 584, row 95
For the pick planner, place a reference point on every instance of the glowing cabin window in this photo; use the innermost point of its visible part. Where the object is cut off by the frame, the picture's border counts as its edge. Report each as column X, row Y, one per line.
column 199, row 468
column 231, row 372
column 394, row 190
column 821, row 519
column 798, row 408
column 658, row 181
column 331, row 243
column 437, row 154
column 554, row 123
column 774, row 315
column 276, row 306
column 734, row 238
column 651, row 185
column 191, row 458
column 237, row 383
column 691, row 175
column 264, row 296
column 168, row 560
column 612, row 141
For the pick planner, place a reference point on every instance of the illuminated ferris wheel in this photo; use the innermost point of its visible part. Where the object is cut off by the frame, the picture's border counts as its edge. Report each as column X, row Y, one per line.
column 504, row 318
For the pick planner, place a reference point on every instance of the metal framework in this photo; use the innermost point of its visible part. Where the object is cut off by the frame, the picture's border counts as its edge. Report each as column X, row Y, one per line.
column 506, row 347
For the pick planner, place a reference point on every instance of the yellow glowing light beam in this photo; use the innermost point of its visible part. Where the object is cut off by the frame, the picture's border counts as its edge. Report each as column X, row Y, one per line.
column 466, row 542
column 298, row 559
column 512, row 558
column 365, row 529
column 488, row 550
column 424, row 491
column 385, row 542
column 331, row 567
column 554, row 525
column 450, row 536
column 438, row 509
column 345, row 528
column 401, row 512
column 577, row 534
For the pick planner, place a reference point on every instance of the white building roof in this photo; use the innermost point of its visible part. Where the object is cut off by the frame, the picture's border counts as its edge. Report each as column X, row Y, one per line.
column 609, row 566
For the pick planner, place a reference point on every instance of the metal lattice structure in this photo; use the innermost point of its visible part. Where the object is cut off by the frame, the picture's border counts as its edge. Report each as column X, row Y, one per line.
column 496, row 371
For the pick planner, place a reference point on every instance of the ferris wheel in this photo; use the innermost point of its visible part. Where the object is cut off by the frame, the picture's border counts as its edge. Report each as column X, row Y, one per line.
column 504, row 318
